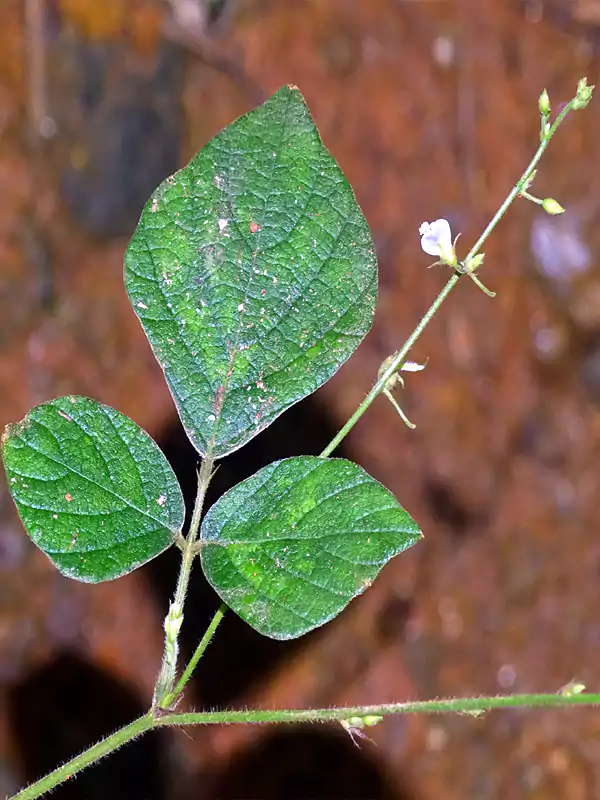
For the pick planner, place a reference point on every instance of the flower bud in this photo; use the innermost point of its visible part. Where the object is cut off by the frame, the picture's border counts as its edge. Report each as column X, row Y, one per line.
column 475, row 262
column 368, row 720
column 544, row 104
column 572, row 688
column 354, row 722
column 550, row 206
column 584, row 94
column 372, row 719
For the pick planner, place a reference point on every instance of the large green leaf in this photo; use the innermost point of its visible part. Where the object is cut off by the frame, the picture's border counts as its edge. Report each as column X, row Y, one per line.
column 93, row 490
column 289, row 547
column 253, row 274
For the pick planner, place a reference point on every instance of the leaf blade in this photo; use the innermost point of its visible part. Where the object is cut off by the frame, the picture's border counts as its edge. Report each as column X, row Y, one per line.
column 253, row 274
column 93, row 490
column 288, row 548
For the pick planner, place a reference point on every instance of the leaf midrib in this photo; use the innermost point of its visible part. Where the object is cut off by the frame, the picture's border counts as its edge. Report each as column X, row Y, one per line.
column 231, row 367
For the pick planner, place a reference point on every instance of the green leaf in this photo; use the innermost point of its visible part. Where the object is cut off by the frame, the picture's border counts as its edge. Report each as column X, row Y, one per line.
column 253, row 274
column 93, row 490
column 289, row 547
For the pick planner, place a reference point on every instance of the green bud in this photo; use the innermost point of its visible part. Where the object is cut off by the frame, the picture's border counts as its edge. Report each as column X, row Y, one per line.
column 475, row 262
column 353, row 722
column 372, row 719
column 584, row 94
column 362, row 722
column 572, row 688
column 544, row 104
column 550, row 206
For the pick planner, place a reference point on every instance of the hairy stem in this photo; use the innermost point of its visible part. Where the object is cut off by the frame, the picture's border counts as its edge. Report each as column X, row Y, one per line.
column 457, row 705
column 165, row 694
column 85, row 759
column 172, row 697
column 174, row 619
column 464, row 705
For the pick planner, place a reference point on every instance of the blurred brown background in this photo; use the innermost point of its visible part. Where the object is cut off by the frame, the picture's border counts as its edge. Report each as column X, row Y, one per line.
column 430, row 106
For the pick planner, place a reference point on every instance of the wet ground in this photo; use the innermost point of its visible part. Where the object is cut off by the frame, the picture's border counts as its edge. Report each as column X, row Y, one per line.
column 430, row 108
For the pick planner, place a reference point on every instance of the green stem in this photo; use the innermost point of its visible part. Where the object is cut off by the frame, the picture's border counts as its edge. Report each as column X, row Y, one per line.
column 400, row 356
column 174, row 619
column 164, row 686
column 465, row 705
column 95, row 753
column 395, row 364
column 514, row 193
column 171, row 698
column 538, row 201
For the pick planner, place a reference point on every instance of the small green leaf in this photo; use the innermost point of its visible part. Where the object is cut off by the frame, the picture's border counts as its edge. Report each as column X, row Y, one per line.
column 288, row 548
column 253, row 274
column 93, row 490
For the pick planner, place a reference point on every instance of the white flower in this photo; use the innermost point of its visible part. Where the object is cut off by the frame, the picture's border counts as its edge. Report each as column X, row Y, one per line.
column 436, row 240
column 412, row 366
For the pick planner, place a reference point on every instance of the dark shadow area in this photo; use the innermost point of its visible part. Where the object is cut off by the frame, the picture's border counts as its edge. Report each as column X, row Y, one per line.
column 447, row 508
column 391, row 621
column 300, row 763
column 68, row 705
column 237, row 656
column 120, row 114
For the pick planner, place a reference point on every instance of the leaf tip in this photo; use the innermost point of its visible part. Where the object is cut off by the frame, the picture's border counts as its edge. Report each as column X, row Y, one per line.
column 295, row 92
column 12, row 430
column 5, row 435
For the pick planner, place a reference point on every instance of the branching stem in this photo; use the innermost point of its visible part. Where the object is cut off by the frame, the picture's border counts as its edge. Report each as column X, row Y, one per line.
column 457, row 705
column 163, row 690
column 166, row 694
